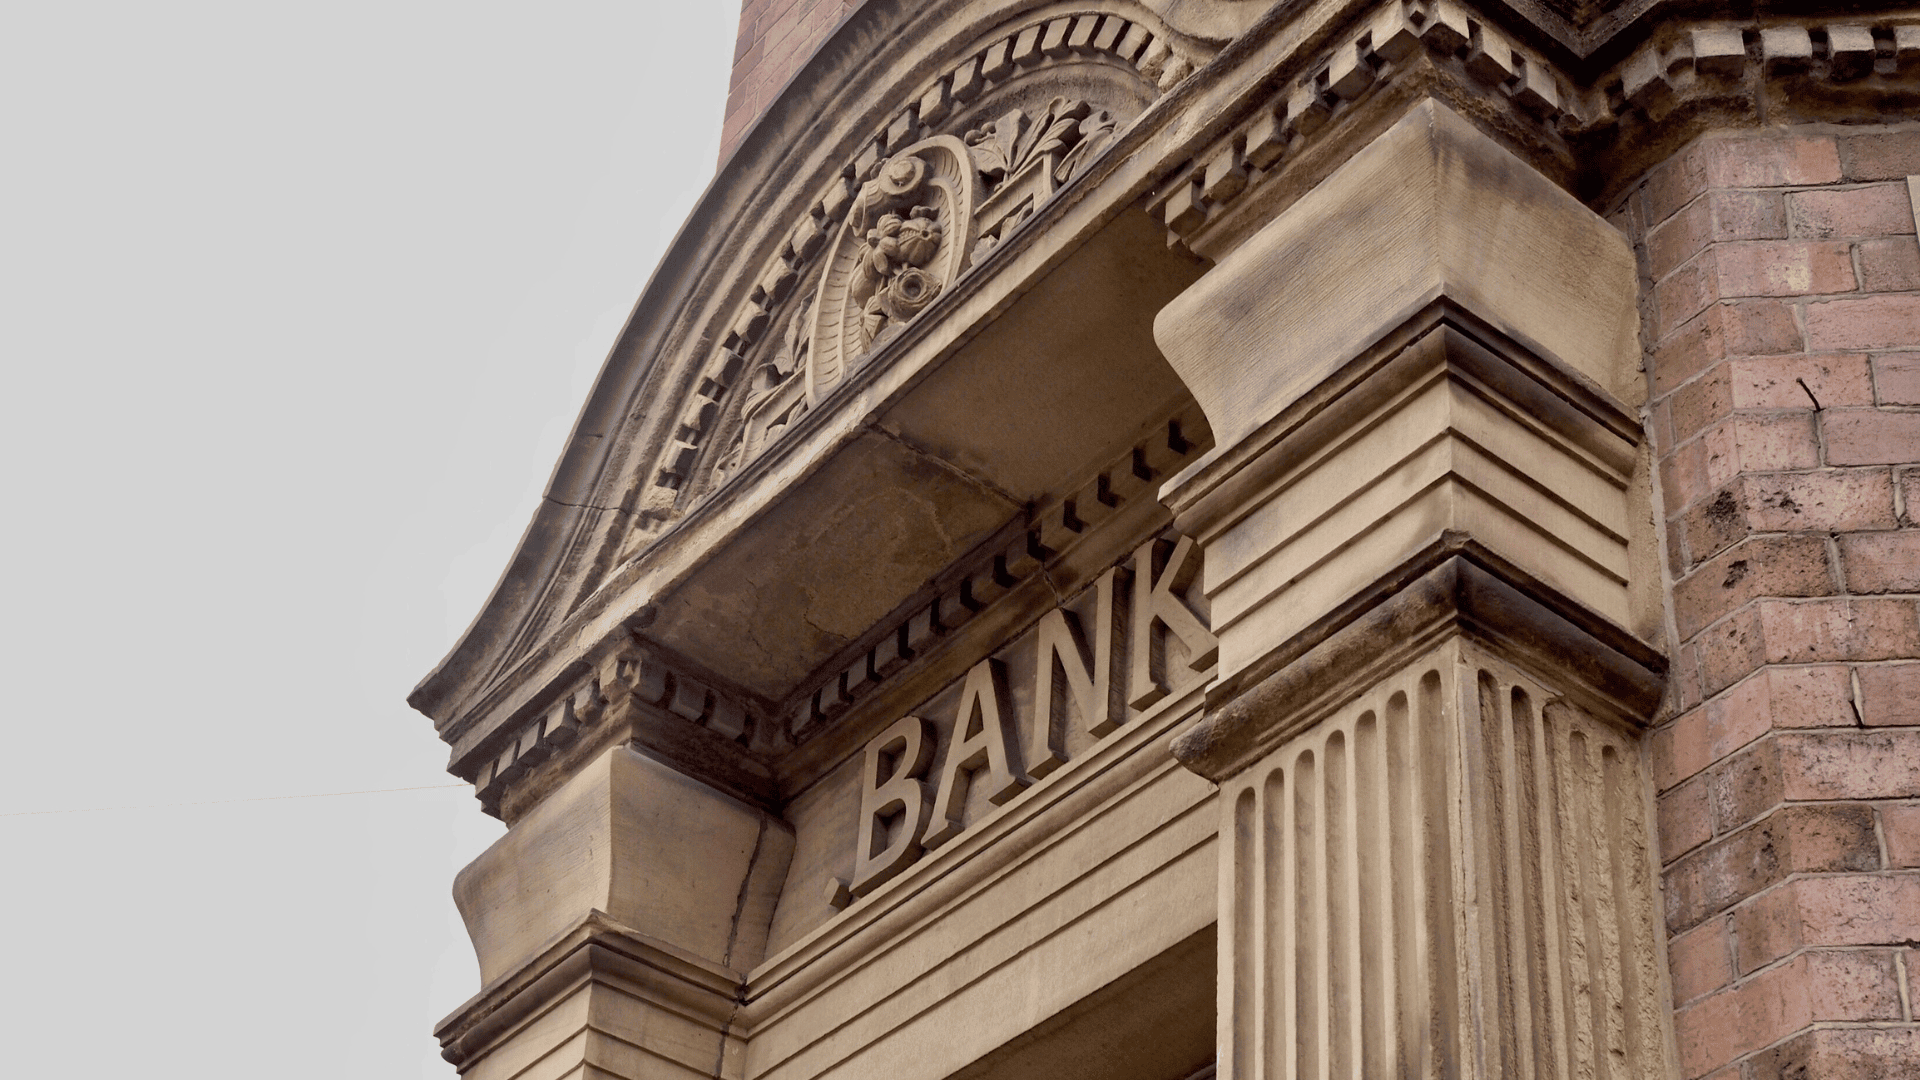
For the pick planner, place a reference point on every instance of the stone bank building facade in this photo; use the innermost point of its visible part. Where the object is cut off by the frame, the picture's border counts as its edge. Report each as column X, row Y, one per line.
column 1307, row 540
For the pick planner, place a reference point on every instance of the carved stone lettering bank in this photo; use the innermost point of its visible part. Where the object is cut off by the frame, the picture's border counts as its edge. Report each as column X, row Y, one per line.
column 1160, row 539
column 1083, row 672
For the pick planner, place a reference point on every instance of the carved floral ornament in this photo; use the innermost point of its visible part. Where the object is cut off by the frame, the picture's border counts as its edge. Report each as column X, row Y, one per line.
column 965, row 165
column 903, row 241
column 932, row 210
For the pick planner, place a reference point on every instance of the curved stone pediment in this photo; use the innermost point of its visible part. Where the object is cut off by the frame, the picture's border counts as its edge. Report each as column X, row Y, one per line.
column 763, row 370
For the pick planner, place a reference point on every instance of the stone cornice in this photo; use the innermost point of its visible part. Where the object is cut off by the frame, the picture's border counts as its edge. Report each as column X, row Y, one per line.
column 1592, row 128
column 621, row 420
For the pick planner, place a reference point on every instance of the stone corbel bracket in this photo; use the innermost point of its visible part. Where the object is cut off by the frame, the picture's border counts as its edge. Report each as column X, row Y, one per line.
column 1049, row 536
column 659, row 492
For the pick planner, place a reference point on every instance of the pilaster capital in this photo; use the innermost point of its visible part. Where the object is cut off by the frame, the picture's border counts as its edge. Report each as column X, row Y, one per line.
column 1453, row 588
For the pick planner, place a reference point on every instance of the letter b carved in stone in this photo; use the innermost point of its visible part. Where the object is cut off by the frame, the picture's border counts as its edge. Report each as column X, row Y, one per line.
column 891, row 786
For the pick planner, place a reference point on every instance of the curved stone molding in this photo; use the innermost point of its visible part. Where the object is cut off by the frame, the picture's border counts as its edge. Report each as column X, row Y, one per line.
column 620, row 816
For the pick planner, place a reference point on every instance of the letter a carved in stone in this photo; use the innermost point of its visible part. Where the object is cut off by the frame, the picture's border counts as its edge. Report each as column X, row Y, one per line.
column 902, row 753
column 982, row 741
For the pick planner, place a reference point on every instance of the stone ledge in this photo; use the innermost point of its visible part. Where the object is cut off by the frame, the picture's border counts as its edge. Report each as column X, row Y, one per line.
column 595, row 948
column 1454, row 586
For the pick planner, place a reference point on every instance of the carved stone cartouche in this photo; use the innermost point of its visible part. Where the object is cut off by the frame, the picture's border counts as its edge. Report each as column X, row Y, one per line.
column 902, row 243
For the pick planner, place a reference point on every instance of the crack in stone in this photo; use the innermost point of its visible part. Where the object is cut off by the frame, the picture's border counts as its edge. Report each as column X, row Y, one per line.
column 985, row 485
column 582, row 506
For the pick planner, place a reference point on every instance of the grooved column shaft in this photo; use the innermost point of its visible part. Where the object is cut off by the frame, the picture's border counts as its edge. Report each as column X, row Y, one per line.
column 1447, row 877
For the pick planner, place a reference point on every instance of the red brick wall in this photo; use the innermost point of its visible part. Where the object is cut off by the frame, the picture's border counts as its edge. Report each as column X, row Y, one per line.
column 776, row 37
column 1781, row 307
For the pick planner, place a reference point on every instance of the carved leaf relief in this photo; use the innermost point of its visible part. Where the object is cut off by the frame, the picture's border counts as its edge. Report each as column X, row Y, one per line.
column 1002, row 147
column 1022, row 162
column 774, row 394
column 843, row 279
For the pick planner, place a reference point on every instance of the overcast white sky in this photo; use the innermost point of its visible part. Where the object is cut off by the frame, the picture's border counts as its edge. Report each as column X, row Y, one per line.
column 297, row 303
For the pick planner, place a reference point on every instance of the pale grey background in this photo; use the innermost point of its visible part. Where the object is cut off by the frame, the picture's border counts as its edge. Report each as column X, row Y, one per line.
column 297, row 304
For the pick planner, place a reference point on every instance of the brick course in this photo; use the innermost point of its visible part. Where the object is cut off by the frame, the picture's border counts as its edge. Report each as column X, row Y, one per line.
column 1781, row 303
column 776, row 39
